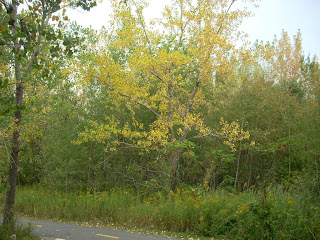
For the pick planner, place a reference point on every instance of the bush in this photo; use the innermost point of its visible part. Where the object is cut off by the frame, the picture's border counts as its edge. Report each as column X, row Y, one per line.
column 251, row 215
column 21, row 233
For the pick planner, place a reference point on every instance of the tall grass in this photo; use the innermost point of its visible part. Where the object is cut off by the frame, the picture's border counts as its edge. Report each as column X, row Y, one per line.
column 267, row 215
column 9, row 232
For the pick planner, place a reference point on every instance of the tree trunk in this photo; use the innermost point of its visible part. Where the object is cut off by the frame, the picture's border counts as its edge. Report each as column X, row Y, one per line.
column 8, row 214
column 174, row 175
column 14, row 160
column 250, row 172
column 237, row 170
column 317, row 175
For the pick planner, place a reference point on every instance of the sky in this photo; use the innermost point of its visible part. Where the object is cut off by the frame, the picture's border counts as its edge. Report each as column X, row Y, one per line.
column 269, row 19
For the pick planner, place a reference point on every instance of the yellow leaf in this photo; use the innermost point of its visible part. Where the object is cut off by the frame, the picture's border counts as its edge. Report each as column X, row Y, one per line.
column 2, row 28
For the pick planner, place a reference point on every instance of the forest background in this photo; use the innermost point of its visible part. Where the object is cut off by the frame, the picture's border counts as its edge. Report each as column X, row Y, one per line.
column 175, row 121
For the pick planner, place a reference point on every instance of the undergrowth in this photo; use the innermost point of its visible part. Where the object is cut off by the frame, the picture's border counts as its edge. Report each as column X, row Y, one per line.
column 268, row 214
column 10, row 232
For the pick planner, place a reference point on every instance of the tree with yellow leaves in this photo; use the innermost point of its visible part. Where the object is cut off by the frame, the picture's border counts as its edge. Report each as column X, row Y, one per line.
column 166, row 68
column 286, row 62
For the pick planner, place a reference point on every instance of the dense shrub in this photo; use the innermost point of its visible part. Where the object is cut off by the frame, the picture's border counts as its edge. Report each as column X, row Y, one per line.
column 250, row 215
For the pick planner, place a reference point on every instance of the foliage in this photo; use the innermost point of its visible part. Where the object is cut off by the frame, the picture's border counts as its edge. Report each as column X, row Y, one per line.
column 23, row 34
column 166, row 74
column 159, row 107
column 249, row 215
column 23, row 233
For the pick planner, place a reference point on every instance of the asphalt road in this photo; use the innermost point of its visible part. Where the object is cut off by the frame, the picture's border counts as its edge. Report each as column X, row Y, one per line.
column 62, row 231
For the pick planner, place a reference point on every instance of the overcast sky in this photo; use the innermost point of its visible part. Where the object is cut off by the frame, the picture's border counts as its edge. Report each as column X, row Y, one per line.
column 270, row 18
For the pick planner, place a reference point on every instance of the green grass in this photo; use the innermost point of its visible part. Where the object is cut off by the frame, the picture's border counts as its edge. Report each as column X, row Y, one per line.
column 21, row 233
column 219, row 215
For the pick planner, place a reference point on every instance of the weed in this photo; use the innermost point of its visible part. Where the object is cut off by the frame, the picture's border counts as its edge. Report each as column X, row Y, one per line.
column 251, row 215
column 13, row 231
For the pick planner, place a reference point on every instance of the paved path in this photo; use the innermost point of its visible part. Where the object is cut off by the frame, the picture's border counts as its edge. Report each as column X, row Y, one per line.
column 62, row 231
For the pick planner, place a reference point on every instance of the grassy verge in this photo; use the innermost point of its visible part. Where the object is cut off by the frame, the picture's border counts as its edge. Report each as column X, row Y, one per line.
column 16, row 232
column 219, row 215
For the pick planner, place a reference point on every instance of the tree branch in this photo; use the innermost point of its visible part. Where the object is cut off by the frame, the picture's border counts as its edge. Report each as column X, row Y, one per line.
column 170, row 99
column 188, row 105
column 36, row 51
column 140, row 16
column 5, row 42
column 196, row 88
column 205, row 135
column 144, row 105
column 220, row 27
column 4, row 4
column 154, row 73
column 136, row 101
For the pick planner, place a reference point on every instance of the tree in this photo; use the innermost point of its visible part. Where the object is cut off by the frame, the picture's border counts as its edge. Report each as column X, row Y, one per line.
column 25, row 33
column 309, row 126
column 286, row 61
column 165, row 73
